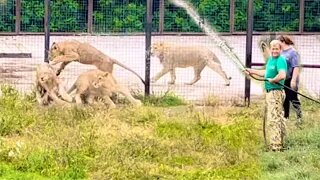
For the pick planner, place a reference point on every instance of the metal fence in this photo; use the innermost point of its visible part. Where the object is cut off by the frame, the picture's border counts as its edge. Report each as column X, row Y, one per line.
column 128, row 16
column 118, row 29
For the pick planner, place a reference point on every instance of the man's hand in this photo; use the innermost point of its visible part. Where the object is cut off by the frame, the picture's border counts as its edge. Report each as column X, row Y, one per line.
column 271, row 80
column 247, row 71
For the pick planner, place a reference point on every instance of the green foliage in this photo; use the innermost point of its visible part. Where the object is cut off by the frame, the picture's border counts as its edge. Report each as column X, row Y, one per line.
column 66, row 16
column 112, row 16
column 32, row 13
column 125, row 143
column 269, row 15
column 166, row 100
column 177, row 20
column 302, row 159
column 129, row 16
column 9, row 172
column 181, row 142
column 15, row 112
column 312, row 16
column 7, row 20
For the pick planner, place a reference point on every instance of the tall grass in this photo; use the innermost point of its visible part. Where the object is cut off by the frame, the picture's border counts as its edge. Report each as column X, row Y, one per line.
column 302, row 160
column 160, row 140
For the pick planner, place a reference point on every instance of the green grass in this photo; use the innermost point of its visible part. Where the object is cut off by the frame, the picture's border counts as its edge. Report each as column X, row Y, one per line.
column 302, row 160
column 165, row 139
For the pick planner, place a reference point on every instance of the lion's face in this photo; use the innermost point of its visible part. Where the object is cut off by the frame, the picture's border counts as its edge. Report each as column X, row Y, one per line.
column 156, row 49
column 102, row 80
column 54, row 51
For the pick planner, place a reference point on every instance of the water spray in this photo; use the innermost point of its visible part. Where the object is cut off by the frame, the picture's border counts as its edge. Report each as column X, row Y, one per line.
column 205, row 26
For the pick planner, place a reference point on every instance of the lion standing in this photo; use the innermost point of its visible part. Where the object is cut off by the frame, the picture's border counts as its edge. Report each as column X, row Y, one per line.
column 173, row 56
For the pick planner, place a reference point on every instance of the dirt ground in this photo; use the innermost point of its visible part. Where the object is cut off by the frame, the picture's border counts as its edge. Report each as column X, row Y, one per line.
column 130, row 50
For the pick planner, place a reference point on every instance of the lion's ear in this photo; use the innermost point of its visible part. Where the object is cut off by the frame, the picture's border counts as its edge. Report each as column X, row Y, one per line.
column 55, row 45
column 106, row 74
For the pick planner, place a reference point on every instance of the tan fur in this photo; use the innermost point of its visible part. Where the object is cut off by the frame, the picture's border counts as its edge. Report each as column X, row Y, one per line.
column 48, row 86
column 94, row 84
column 264, row 45
column 179, row 56
column 72, row 50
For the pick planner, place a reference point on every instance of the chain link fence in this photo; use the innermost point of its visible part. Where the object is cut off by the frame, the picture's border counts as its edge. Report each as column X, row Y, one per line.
column 117, row 29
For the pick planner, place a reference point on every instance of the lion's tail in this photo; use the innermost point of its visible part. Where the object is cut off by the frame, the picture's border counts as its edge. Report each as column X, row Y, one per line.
column 127, row 68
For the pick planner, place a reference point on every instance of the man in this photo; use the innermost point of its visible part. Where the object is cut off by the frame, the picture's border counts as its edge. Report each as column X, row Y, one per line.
column 275, row 74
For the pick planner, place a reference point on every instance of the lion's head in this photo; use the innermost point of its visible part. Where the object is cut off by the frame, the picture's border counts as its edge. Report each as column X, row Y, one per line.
column 54, row 51
column 157, row 49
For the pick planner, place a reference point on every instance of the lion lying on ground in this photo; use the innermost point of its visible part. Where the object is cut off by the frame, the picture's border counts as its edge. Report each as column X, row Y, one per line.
column 48, row 86
column 178, row 56
column 72, row 50
column 96, row 83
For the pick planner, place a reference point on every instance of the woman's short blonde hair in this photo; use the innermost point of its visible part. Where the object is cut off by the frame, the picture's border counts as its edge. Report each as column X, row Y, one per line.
column 275, row 42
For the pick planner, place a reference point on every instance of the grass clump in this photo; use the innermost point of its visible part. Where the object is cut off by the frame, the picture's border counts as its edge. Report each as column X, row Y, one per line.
column 16, row 112
column 302, row 159
column 162, row 140
column 166, row 100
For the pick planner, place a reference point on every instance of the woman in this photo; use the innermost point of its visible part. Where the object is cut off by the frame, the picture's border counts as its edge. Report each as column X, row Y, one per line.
column 292, row 78
column 275, row 73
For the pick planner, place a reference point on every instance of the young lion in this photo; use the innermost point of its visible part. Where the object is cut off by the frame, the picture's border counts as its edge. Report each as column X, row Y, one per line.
column 178, row 56
column 72, row 50
column 96, row 83
column 48, row 86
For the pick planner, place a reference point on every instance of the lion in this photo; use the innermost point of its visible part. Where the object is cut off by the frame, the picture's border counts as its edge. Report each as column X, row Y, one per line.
column 99, row 84
column 264, row 46
column 48, row 88
column 71, row 50
column 173, row 56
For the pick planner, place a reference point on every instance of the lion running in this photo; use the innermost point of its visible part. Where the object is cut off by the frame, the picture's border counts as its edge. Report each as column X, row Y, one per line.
column 71, row 50
column 48, row 86
column 173, row 56
column 96, row 83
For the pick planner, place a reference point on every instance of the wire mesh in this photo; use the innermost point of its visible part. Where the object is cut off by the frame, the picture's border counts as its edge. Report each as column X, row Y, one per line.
column 119, row 16
column 118, row 28
column 312, row 16
column 32, row 13
column 68, row 16
column 269, row 16
column 7, row 13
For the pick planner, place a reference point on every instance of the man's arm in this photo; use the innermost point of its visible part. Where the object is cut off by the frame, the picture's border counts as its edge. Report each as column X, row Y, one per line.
column 280, row 76
column 258, row 72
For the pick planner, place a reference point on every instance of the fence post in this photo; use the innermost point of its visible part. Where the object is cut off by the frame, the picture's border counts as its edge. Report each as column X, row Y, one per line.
column 46, row 29
column 148, row 29
column 90, row 16
column 249, row 48
column 18, row 16
column 231, row 16
column 161, row 16
column 301, row 15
